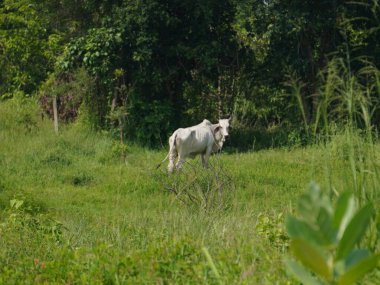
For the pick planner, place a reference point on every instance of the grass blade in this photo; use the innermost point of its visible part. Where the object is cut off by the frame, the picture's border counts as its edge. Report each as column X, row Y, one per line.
column 212, row 264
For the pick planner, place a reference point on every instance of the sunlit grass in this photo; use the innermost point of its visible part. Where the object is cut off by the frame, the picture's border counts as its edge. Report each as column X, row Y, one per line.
column 116, row 211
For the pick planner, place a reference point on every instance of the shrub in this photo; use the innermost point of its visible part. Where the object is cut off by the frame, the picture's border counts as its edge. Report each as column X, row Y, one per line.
column 326, row 240
column 70, row 89
column 206, row 189
column 272, row 229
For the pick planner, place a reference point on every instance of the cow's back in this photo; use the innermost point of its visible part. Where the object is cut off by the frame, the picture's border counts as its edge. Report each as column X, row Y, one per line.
column 194, row 140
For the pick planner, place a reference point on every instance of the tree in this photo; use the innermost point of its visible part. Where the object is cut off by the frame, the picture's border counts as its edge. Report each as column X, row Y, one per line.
column 26, row 49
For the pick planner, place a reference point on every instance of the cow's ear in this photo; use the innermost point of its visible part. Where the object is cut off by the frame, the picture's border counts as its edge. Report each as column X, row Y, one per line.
column 217, row 129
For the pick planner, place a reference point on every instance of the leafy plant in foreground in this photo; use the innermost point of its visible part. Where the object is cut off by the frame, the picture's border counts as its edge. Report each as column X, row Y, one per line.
column 324, row 240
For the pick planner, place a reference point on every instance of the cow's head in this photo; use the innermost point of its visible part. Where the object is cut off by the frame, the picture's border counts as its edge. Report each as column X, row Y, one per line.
column 224, row 126
column 220, row 131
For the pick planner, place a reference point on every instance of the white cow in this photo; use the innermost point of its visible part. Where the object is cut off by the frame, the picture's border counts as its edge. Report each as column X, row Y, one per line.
column 204, row 139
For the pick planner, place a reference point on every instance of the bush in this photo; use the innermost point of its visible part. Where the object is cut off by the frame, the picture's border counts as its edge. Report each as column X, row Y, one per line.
column 271, row 228
column 20, row 112
column 71, row 90
column 206, row 189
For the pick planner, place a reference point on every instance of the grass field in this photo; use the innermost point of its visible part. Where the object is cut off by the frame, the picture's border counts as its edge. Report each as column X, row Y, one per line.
column 74, row 212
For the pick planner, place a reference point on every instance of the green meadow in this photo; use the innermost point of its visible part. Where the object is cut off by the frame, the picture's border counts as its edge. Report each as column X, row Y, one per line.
column 78, row 208
column 292, row 198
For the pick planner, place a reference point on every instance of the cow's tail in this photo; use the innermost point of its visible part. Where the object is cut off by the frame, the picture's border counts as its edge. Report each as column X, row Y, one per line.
column 171, row 148
column 158, row 165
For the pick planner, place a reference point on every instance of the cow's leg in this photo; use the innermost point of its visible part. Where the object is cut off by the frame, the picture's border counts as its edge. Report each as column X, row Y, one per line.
column 180, row 163
column 206, row 156
column 172, row 152
column 171, row 166
column 181, row 160
column 172, row 156
column 203, row 160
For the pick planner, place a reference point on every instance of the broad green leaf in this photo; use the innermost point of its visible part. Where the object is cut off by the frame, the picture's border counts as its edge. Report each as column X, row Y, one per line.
column 324, row 221
column 359, row 270
column 308, row 203
column 312, row 202
column 354, row 231
column 343, row 265
column 300, row 229
column 339, row 267
column 300, row 273
column 325, row 203
column 305, row 206
column 355, row 257
column 310, row 257
column 345, row 209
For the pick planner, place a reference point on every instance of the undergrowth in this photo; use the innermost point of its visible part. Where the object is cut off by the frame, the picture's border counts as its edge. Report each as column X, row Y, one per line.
column 75, row 208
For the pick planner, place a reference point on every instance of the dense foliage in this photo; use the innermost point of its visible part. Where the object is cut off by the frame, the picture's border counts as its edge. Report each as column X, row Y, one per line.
column 155, row 65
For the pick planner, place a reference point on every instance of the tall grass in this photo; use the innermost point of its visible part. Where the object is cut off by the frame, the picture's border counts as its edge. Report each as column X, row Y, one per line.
column 344, row 116
column 207, row 190
column 344, row 128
